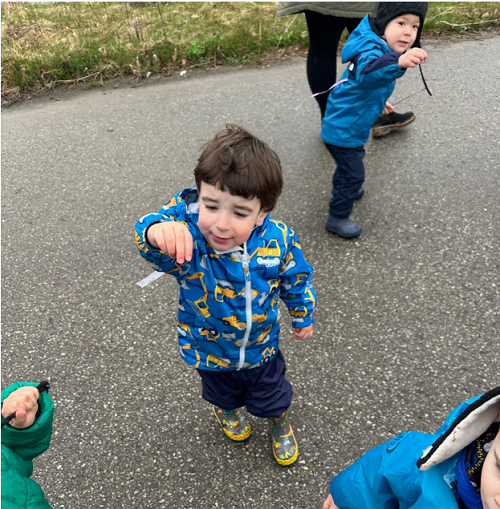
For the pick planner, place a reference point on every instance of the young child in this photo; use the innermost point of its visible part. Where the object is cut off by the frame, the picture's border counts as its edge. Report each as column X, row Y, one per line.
column 232, row 262
column 379, row 51
column 456, row 468
column 25, row 437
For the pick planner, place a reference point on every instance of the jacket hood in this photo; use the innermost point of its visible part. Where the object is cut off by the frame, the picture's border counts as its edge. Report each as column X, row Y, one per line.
column 464, row 425
column 362, row 39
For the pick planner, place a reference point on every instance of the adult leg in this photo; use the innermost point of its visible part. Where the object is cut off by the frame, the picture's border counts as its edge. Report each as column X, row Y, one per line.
column 324, row 36
column 352, row 23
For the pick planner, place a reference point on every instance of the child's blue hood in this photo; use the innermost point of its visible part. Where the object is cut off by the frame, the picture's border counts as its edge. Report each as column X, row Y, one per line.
column 362, row 39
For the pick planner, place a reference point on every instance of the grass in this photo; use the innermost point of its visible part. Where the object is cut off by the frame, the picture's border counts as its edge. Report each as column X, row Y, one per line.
column 45, row 45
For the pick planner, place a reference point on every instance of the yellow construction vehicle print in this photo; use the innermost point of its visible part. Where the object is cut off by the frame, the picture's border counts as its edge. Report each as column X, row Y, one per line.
column 300, row 278
column 283, row 229
column 201, row 304
column 234, row 322
column 309, row 296
column 214, row 362
column 141, row 245
column 188, row 347
column 220, row 292
column 267, row 353
column 290, row 263
column 261, row 338
column 272, row 250
column 208, row 334
column 171, row 203
column 184, row 329
column 273, row 284
column 300, row 311
column 259, row 318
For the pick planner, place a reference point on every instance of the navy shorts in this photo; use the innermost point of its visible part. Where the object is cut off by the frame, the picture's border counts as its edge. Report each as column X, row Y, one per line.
column 263, row 390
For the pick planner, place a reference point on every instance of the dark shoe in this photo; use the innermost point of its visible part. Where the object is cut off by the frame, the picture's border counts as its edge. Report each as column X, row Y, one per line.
column 234, row 423
column 285, row 448
column 360, row 194
column 386, row 123
column 343, row 227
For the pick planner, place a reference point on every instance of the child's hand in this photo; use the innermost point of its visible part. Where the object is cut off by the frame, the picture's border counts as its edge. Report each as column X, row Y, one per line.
column 172, row 238
column 412, row 58
column 24, row 403
column 304, row 333
column 329, row 503
column 389, row 108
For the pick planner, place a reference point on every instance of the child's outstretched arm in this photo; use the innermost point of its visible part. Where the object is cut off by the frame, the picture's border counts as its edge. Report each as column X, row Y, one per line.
column 166, row 238
column 172, row 238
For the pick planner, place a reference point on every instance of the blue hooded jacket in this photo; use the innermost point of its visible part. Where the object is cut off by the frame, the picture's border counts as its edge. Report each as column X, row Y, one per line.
column 228, row 315
column 353, row 106
column 416, row 470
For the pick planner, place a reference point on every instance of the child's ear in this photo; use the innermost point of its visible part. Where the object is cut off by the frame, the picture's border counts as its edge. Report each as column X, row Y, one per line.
column 260, row 218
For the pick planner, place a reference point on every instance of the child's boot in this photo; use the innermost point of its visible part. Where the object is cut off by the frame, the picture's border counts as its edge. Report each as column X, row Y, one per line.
column 343, row 227
column 233, row 422
column 285, row 448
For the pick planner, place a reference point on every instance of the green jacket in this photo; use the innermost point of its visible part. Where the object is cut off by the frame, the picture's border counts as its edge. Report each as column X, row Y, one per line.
column 339, row 9
column 19, row 447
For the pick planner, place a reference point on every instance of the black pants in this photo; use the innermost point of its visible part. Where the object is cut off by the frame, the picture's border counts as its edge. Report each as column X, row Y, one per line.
column 324, row 36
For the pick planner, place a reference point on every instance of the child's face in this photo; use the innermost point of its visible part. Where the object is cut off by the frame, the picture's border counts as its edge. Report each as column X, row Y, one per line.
column 401, row 32
column 226, row 220
column 490, row 477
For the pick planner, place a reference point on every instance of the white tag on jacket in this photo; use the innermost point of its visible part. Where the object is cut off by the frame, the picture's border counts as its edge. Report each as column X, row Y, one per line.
column 148, row 280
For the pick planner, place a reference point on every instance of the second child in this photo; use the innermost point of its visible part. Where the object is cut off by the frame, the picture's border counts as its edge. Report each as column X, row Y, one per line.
column 233, row 262
column 379, row 51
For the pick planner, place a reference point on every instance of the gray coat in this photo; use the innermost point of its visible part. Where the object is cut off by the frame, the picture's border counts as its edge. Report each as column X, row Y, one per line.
column 339, row 9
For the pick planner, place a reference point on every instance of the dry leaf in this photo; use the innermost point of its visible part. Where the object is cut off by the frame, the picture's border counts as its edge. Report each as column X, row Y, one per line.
column 174, row 56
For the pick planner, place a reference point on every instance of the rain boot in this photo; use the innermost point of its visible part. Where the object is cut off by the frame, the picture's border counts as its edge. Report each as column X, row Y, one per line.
column 233, row 422
column 285, row 448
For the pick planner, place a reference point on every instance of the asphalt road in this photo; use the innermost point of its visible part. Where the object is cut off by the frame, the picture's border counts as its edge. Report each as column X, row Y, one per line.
column 408, row 320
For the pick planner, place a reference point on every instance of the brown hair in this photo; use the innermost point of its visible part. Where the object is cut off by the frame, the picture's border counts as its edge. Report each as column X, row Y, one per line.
column 238, row 162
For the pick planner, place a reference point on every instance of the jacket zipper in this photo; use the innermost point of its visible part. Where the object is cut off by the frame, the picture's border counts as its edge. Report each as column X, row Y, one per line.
column 248, row 307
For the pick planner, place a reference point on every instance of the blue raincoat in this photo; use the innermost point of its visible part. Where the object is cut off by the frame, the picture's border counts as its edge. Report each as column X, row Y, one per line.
column 353, row 106
column 228, row 316
column 388, row 475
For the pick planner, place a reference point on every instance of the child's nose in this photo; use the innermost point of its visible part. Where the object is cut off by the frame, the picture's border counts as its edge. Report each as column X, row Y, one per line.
column 222, row 222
